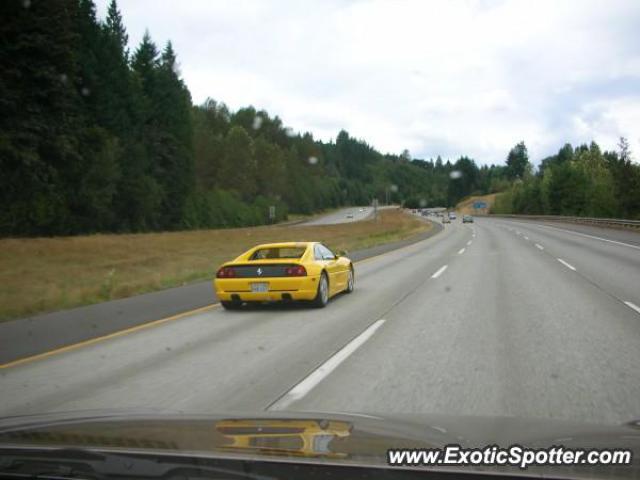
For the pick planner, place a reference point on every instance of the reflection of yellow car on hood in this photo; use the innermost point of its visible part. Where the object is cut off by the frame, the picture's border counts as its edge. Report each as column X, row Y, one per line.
column 284, row 272
column 300, row 437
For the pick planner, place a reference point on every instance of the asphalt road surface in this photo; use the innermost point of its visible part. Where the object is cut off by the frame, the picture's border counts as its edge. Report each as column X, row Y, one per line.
column 344, row 215
column 499, row 317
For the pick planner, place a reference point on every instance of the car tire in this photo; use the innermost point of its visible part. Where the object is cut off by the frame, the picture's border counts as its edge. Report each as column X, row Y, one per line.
column 322, row 295
column 230, row 305
column 351, row 281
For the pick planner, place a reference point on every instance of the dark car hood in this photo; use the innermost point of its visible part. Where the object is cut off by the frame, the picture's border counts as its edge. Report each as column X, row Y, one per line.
column 318, row 437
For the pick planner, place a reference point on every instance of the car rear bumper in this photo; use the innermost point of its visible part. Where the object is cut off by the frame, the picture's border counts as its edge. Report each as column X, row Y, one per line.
column 279, row 288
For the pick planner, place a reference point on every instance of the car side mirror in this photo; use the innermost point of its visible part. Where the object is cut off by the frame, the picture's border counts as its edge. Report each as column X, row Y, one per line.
column 341, row 253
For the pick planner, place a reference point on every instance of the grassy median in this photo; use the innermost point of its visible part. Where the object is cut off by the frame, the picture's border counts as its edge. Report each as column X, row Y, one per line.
column 48, row 274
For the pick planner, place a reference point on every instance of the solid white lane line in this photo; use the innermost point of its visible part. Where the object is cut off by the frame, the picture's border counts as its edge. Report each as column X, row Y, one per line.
column 469, row 242
column 568, row 265
column 439, row 272
column 539, row 247
column 633, row 306
column 320, row 373
column 461, row 251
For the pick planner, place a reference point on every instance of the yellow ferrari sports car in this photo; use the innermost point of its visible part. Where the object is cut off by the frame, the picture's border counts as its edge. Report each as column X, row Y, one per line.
column 284, row 272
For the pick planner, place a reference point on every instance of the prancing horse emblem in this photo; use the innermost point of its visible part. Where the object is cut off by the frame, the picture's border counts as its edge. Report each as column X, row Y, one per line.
column 259, row 271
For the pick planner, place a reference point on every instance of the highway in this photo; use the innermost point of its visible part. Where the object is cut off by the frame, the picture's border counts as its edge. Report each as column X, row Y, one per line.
column 343, row 215
column 499, row 317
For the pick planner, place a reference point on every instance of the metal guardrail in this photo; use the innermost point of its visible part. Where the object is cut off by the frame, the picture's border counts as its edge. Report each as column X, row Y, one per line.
column 603, row 222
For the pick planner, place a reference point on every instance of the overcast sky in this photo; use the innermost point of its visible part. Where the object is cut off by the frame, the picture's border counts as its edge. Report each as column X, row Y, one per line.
column 435, row 77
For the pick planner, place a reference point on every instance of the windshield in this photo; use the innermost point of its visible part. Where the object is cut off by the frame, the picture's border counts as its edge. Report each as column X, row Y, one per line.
column 463, row 175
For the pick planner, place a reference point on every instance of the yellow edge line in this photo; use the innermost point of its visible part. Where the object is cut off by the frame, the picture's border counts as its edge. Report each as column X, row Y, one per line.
column 151, row 324
column 119, row 333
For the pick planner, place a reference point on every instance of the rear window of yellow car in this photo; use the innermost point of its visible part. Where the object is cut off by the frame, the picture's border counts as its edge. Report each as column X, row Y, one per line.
column 274, row 253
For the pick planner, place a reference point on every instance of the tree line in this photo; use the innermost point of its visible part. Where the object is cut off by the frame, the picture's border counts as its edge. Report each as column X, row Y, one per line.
column 580, row 181
column 97, row 138
column 92, row 137
column 250, row 158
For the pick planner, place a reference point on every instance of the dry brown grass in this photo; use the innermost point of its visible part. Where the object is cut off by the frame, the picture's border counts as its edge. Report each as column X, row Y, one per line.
column 47, row 274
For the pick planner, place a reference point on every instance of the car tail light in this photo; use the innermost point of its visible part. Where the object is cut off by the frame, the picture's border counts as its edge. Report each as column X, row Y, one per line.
column 295, row 271
column 226, row 272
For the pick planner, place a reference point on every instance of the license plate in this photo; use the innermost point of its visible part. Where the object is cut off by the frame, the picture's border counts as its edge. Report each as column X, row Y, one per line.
column 259, row 287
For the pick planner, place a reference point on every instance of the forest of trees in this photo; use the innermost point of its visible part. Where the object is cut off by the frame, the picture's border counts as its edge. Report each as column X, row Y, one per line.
column 581, row 181
column 92, row 137
column 95, row 137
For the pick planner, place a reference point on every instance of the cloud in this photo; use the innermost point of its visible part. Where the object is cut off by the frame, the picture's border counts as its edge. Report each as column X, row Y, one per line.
column 450, row 77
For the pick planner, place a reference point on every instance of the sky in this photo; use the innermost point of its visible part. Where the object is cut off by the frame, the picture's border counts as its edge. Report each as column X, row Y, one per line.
column 449, row 78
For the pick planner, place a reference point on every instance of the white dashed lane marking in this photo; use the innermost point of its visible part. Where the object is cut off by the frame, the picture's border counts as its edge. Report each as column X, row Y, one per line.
column 320, row 373
column 632, row 306
column 439, row 272
column 568, row 265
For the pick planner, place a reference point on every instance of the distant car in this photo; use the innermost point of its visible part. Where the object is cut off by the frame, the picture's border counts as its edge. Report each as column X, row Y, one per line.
column 361, row 210
column 452, row 215
column 350, row 215
column 467, row 219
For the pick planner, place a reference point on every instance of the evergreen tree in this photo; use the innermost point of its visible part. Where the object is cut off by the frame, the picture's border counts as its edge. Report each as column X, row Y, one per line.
column 271, row 177
column 518, row 161
column 626, row 179
column 39, row 116
column 238, row 168
column 117, row 110
column 115, row 29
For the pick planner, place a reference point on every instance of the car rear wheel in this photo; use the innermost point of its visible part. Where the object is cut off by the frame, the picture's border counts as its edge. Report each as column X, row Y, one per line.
column 351, row 280
column 322, row 297
column 230, row 305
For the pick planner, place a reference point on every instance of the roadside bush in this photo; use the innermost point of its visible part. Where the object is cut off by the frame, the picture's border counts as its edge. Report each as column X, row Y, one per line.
column 503, row 203
column 224, row 209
